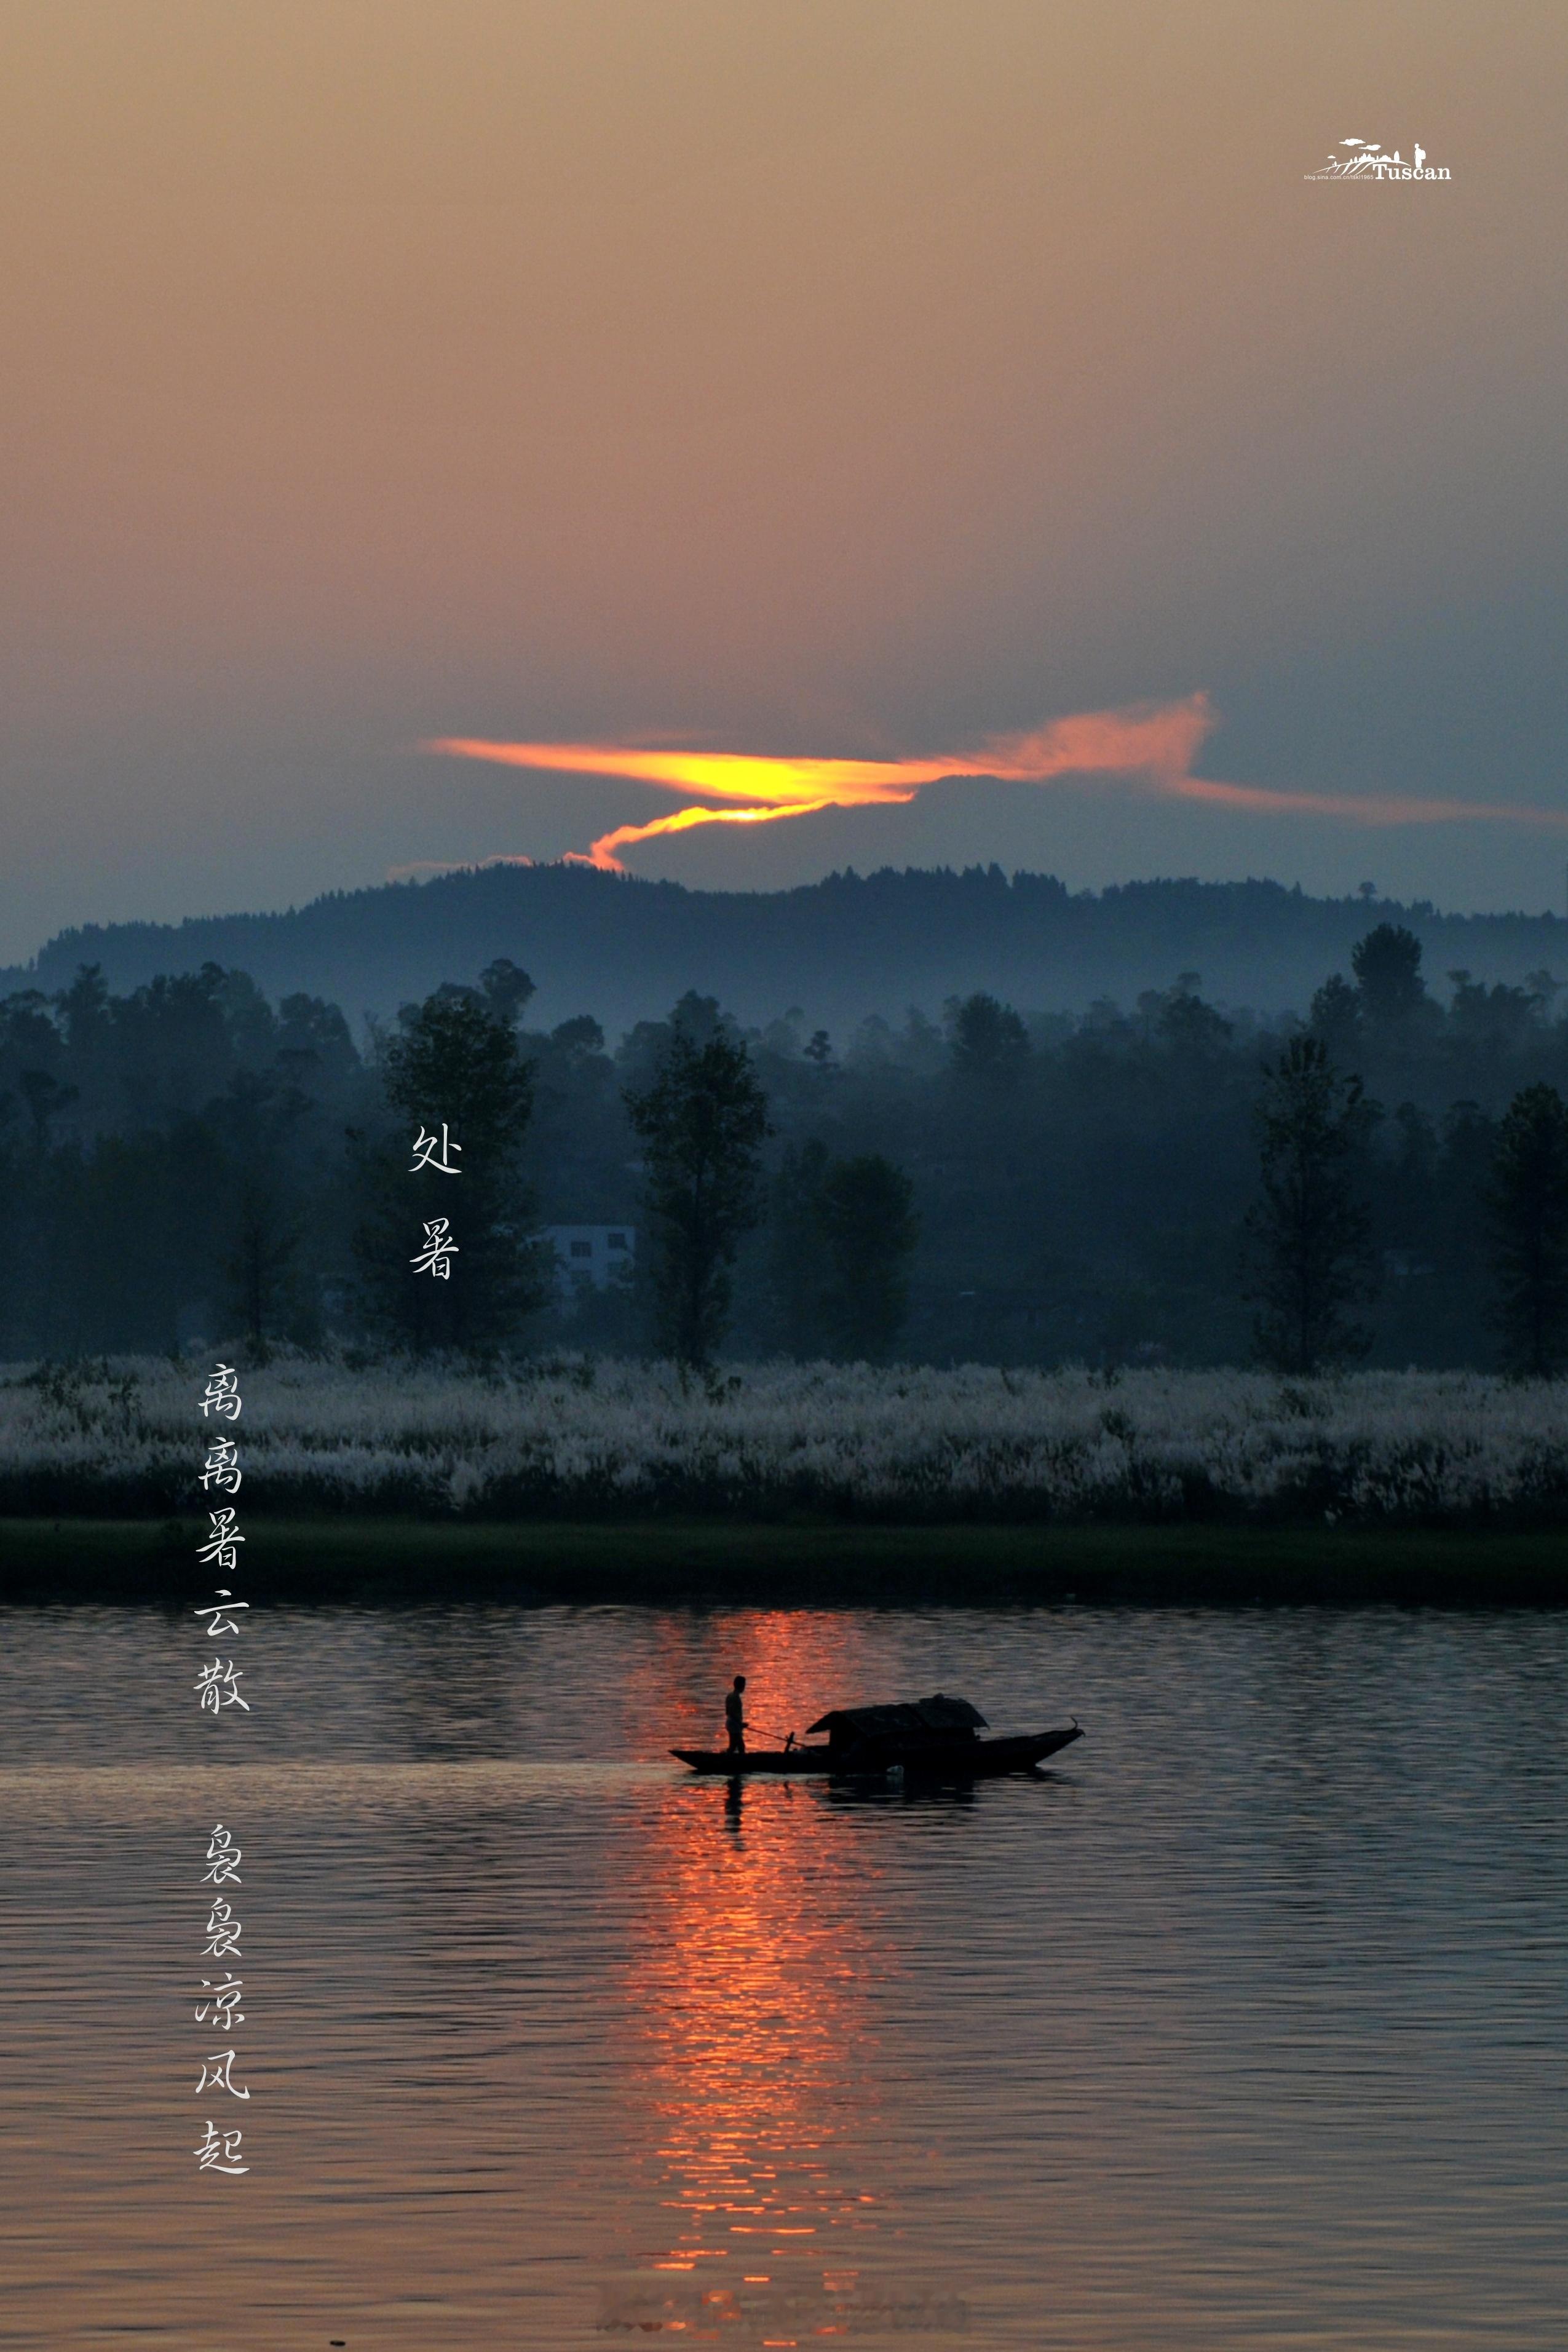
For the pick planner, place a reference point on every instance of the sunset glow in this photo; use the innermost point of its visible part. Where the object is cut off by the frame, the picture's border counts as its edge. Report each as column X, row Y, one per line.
column 1156, row 740
column 825, row 379
column 1156, row 743
column 760, row 1932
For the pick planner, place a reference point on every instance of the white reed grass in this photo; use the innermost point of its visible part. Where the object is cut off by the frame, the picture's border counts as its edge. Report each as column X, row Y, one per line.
column 911, row 1442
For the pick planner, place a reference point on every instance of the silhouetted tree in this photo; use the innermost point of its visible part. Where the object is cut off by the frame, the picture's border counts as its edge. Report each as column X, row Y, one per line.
column 83, row 1009
column 988, row 1039
column 1460, row 1291
column 458, row 1061
column 134, row 1231
column 1309, row 1234
column 1336, row 1020
column 701, row 1123
column 843, row 1233
column 46, row 1098
column 1544, row 989
column 1527, row 1205
column 506, row 989
column 796, row 1273
column 23, row 1271
column 1188, row 1026
column 264, row 1218
column 314, row 1048
column 869, row 1228
column 1498, row 1019
column 1387, row 966
column 579, row 1037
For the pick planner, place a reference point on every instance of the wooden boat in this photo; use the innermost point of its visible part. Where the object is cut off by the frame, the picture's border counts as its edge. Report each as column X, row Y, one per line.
column 975, row 1759
column 933, row 1738
column 756, row 1759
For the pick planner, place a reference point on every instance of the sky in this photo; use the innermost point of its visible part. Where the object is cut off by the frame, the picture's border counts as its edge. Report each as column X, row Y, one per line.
column 888, row 384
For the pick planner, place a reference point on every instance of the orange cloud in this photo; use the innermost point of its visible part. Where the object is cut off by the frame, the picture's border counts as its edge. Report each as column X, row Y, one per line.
column 1156, row 742
column 1392, row 809
column 1153, row 738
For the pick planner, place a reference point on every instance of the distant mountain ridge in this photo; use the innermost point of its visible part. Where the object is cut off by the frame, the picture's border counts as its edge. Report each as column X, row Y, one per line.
column 625, row 949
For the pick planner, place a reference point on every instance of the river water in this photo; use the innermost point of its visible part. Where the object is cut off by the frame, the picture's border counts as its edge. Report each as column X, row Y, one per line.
column 1245, row 2026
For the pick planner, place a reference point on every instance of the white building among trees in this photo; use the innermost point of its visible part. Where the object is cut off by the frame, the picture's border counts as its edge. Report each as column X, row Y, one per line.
column 597, row 1253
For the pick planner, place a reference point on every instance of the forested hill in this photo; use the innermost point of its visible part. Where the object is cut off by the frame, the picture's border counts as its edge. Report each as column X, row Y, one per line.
column 852, row 945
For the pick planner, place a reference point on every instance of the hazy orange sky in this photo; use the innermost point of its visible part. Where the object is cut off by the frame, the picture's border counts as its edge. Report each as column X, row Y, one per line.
column 862, row 381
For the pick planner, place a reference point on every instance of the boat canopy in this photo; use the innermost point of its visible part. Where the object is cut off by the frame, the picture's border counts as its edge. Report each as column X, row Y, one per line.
column 914, row 1719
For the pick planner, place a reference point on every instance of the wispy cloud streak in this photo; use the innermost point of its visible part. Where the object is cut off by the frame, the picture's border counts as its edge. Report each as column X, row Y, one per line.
column 1155, row 742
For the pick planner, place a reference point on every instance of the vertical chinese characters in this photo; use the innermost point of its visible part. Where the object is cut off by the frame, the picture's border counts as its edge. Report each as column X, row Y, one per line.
column 428, row 1153
column 219, row 2150
column 439, row 1250
column 217, row 1688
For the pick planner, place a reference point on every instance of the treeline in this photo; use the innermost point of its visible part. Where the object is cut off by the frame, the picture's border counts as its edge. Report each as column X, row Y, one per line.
column 626, row 948
column 1386, row 1178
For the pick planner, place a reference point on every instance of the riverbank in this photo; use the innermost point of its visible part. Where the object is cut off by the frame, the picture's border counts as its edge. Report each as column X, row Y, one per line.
column 363, row 1562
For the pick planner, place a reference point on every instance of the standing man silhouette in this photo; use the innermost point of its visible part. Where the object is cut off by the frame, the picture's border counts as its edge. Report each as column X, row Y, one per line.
column 734, row 1723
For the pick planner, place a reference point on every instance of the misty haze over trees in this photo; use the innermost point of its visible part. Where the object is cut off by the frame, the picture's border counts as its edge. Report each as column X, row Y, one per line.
column 1384, row 1179
column 626, row 949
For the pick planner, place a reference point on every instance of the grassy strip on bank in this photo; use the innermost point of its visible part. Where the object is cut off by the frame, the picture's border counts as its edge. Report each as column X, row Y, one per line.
column 365, row 1563
column 900, row 1447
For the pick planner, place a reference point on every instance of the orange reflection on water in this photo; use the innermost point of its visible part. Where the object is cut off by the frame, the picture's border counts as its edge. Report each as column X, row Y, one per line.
column 752, row 1975
column 751, row 1991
